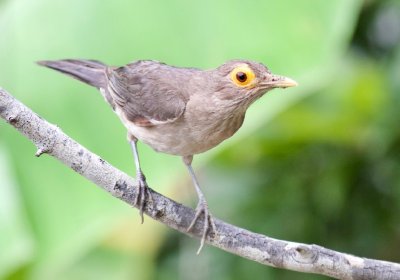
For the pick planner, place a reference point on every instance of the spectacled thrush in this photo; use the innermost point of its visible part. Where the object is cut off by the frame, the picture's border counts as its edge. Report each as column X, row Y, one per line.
column 178, row 111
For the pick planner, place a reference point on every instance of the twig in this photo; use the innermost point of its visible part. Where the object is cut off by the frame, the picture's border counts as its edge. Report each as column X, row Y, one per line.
column 51, row 140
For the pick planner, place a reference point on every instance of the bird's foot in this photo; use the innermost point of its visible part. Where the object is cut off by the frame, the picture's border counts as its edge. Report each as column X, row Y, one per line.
column 144, row 194
column 202, row 208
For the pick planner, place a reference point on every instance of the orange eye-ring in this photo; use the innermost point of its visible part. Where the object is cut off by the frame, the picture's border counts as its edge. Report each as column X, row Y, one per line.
column 242, row 76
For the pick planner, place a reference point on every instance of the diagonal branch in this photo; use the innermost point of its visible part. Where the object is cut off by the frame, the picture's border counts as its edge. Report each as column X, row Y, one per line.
column 49, row 139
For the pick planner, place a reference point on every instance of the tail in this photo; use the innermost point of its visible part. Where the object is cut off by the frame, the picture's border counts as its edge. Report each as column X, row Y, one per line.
column 91, row 72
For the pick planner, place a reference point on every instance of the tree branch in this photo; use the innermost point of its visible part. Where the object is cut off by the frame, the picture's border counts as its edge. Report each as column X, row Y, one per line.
column 49, row 139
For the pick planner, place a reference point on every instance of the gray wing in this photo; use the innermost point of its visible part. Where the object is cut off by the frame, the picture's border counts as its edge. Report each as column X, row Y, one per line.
column 147, row 92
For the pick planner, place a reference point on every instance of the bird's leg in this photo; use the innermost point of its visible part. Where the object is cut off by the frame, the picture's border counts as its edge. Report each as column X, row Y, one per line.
column 202, row 206
column 143, row 191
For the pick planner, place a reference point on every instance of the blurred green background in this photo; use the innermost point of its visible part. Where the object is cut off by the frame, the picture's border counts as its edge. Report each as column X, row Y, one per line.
column 317, row 164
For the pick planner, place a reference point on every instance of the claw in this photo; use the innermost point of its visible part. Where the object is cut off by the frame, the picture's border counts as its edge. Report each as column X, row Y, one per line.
column 143, row 195
column 202, row 208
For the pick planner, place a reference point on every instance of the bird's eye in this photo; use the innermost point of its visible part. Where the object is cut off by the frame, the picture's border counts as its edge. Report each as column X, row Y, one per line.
column 242, row 76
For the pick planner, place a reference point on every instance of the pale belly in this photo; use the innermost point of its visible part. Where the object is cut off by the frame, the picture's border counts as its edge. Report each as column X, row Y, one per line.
column 183, row 138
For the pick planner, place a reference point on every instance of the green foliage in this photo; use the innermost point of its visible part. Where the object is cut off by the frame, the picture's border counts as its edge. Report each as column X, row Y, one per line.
column 315, row 164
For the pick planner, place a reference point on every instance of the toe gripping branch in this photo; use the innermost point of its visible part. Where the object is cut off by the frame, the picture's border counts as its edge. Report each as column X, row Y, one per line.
column 143, row 195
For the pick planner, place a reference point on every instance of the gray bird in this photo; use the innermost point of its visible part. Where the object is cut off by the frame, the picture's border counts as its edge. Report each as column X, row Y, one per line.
column 178, row 111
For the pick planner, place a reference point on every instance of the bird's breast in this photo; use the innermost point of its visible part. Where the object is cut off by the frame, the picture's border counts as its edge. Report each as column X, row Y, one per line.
column 188, row 135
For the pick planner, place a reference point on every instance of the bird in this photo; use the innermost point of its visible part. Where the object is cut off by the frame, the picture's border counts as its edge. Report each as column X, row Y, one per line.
column 182, row 111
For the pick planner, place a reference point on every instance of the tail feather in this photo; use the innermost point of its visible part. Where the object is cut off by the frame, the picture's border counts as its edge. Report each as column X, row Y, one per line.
column 91, row 72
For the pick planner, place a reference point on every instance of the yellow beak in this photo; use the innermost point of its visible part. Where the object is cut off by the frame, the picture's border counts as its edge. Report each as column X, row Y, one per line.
column 281, row 82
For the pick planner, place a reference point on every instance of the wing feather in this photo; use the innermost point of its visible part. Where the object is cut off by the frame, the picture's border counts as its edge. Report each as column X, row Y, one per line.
column 147, row 92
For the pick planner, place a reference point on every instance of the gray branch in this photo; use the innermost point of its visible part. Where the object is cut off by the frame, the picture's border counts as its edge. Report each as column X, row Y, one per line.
column 49, row 139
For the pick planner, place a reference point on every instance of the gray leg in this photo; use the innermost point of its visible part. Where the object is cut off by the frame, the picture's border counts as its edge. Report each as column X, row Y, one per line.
column 202, row 206
column 143, row 191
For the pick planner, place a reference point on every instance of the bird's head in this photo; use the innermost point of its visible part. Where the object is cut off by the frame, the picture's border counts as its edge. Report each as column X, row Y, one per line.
column 243, row 81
